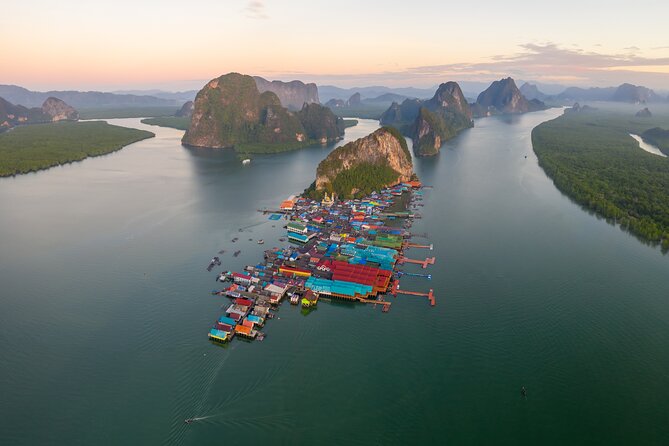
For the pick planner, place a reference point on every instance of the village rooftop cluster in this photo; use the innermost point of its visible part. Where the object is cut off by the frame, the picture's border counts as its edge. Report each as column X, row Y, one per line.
column 343, row 249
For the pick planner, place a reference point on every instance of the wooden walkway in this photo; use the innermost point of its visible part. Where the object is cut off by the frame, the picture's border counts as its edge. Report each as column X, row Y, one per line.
column 395, row 290
column 423, row 263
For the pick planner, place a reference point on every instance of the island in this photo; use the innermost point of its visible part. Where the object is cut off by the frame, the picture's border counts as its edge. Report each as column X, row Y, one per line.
column 430, row 123
column 360, row 167
column 504, row 97
column 230, row 112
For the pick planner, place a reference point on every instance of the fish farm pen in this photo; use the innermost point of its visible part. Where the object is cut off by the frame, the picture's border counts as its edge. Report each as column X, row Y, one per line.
column 339, row 249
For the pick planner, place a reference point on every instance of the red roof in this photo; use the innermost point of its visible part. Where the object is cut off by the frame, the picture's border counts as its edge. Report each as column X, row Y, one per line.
column 241, row 276
column 363, row 274
column 243, row 302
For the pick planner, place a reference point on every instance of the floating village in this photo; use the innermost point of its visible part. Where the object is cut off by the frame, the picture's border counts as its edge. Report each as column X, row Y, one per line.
column 351, row 250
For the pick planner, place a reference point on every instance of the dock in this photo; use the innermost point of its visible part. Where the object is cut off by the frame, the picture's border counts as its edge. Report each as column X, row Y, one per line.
column 423, row 263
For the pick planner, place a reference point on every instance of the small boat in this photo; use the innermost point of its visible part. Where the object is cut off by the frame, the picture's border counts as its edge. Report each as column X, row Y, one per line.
column 261, row 242
column 246, row 161
column 236, row 253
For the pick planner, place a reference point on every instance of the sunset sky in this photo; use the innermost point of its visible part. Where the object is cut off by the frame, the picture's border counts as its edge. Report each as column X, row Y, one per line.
column 177, row 45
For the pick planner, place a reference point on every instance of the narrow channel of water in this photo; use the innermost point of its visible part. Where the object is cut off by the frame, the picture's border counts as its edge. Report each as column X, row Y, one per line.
column 647, row 147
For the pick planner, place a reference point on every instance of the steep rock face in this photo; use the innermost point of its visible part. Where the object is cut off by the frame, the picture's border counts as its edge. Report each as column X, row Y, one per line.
column 230, row 111
column 645, row 113
column 186, row 110
column 441, row 118
column 431, row 122
column 502, row 96
column 635, row 94
column 427, row 135
column 449, row 97
column 293, row 95
column 58, row 110
column 320, row 124
column 375, row 161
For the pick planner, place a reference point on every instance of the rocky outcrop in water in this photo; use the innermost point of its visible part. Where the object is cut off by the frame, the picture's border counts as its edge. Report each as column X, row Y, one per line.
column 378, row 160
column 504, row 97
column 645, row 113
column 430, row 123
column 293, row 95
column 231, row 112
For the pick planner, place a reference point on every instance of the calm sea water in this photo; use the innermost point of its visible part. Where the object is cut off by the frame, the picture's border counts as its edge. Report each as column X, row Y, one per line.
column 105, row 309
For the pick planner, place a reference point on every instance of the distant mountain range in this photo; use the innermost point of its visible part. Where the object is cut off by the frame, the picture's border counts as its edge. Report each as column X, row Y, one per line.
column 624, row 93
column 81, row 99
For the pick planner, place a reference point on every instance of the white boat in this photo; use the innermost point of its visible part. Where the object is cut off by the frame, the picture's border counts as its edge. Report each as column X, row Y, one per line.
column 246, row 161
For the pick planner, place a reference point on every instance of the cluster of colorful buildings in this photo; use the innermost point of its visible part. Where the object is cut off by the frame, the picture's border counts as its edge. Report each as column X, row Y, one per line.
column 345, row 249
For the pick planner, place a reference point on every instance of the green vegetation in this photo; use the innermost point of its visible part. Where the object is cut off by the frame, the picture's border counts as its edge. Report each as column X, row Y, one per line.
column 350, row 123
column 592, row 159
column 175, row 122
column 657, row 137
column 320, row 123
column 40, row 146
column 362, row 179
column 125, row 112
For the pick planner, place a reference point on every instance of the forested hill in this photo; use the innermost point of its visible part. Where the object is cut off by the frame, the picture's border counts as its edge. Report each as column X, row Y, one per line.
column 592, row 158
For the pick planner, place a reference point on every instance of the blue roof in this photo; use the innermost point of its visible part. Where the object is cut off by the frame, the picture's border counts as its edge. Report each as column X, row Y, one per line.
column 227, row 320
column 254, row 318
column 218, row 333
column 337, row 287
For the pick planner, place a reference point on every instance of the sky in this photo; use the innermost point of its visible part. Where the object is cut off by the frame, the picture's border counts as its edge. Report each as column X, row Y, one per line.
column 178, row 45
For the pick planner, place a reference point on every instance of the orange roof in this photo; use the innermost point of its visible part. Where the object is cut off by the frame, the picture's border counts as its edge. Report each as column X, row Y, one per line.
column 242, row 329
column 414, row 183
column 287, row 204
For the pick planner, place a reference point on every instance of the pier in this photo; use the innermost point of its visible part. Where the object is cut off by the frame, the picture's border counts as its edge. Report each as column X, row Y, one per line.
column 414, row 245
column 430, row 295
column 423, row 263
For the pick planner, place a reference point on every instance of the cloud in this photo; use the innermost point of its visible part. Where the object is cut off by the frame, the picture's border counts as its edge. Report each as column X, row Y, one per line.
column 547, row 63
column 255, row 9
column 551, row 62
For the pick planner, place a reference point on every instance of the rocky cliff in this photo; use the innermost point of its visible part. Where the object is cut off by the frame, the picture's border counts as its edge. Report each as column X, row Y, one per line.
column 430, row 123
column 644, row 113
column 378, row 160
column 503, row 96
column 231, row 112
column 320, row 124
column 293, row 95
column 186, row 110
column 57, row 110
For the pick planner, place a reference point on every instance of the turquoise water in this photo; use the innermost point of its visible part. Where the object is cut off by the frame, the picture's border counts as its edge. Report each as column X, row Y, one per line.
column 106, row 307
